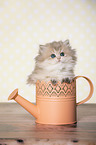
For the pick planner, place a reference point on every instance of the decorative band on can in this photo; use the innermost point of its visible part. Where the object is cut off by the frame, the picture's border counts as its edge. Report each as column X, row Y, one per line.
column 60, row 90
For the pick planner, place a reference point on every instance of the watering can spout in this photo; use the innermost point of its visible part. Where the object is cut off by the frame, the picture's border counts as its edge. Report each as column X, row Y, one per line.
column 31, row 108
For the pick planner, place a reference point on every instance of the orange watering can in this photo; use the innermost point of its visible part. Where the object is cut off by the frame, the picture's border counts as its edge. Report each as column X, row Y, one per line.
column 55, row 104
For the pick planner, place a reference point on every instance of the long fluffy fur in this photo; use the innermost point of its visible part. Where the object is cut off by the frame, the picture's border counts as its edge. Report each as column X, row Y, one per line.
column 47, row 68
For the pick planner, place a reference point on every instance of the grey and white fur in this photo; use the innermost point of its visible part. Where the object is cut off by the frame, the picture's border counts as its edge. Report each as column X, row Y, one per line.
column 54, row 62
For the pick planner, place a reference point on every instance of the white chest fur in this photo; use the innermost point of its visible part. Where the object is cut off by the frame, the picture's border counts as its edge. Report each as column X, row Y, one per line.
column 55, row 70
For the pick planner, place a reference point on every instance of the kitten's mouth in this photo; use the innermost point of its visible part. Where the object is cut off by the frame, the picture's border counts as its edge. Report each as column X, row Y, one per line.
column 59, row 60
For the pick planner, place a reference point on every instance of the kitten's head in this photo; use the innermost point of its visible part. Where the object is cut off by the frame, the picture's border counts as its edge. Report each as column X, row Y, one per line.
column 56, row 52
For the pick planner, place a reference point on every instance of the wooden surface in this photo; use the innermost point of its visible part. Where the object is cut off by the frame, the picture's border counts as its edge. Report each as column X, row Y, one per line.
column 17, row 126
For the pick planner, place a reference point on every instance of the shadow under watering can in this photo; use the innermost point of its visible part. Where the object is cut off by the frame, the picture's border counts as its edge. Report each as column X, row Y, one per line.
column 55, row 104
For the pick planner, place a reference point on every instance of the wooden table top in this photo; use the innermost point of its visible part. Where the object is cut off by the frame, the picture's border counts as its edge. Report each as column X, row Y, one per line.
column 17, row 126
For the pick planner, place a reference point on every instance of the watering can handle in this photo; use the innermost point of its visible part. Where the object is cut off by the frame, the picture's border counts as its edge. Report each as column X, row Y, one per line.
column 91, row 89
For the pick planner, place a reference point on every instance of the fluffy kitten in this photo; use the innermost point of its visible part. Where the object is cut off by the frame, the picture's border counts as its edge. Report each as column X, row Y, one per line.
column 55, row 62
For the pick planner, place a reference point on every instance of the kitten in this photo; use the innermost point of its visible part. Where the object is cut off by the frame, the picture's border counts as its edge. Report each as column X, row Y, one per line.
column 55, row 62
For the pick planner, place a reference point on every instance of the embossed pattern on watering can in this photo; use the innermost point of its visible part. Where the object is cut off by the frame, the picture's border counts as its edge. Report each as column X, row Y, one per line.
column 59, row 90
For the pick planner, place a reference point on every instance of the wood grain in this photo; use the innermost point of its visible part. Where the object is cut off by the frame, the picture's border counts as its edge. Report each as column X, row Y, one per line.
column 17, row 126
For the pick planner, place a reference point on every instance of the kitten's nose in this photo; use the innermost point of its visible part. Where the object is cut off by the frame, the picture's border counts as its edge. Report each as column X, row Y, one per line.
column 58, row 58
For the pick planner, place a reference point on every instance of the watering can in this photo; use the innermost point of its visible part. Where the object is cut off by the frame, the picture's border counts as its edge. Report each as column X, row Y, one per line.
column 55, row 104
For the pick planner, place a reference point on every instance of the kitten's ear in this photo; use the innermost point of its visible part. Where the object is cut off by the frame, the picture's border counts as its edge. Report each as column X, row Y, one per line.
column 42, row 47
column 67, row 43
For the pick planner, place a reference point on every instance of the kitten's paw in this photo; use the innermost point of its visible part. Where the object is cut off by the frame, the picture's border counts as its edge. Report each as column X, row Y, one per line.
column 66, row 80
column 54, row 82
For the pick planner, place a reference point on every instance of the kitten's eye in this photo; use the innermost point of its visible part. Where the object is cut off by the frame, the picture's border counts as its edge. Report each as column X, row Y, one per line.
column 62, row 54
column 53, row 55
